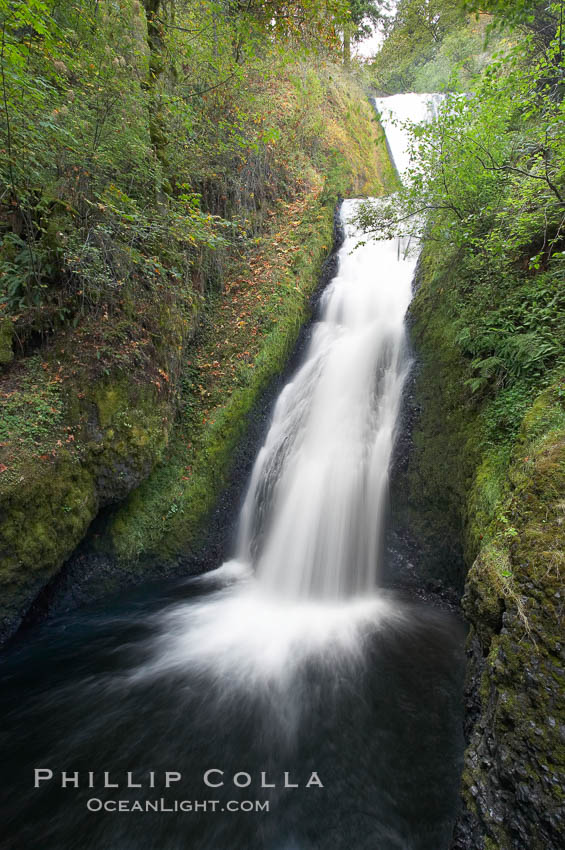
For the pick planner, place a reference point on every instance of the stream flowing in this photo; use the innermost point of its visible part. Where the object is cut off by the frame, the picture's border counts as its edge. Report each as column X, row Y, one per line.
column 285, row 676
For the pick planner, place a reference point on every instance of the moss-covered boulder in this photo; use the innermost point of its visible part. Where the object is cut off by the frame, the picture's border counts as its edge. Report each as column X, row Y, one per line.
column 100, row 444
column 126, row 428
column 44, row 513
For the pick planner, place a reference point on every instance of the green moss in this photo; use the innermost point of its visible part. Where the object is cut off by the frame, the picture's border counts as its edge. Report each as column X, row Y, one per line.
column 131, row 431
column 51, row 489
column 132, row 417
column 483, row 601
column 109, row 401
column 489, row 485
column 355, row 161
column 544, row 419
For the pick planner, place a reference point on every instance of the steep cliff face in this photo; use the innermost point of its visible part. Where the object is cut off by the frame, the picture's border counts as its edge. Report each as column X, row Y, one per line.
column 132, row 417
column 493, row 509
column 515, row 762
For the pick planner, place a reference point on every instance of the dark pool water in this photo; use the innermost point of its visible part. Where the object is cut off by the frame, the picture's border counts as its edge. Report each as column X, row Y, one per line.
column 381, row 728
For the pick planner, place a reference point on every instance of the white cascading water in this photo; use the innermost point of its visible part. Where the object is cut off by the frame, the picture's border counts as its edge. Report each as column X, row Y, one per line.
column 312, row 519
column 304, row 581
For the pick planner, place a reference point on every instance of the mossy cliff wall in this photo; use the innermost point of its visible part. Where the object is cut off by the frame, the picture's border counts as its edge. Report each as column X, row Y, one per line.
column 487, row 514
column 132, row 419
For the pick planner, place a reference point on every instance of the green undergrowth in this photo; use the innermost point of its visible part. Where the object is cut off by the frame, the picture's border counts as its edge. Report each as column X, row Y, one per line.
column 471, row 421
column 32, row 407
column 136, row 408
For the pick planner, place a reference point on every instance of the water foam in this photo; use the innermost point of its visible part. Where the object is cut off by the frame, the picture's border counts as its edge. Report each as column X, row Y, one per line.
column 243, row 634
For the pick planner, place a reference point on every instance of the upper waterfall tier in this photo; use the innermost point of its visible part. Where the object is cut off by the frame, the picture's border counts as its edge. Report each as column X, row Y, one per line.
column 394, row 112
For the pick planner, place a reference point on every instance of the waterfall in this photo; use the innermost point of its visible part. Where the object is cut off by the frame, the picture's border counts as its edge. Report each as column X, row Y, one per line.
column 285, row 663
column 303, row 584
column 312, row 519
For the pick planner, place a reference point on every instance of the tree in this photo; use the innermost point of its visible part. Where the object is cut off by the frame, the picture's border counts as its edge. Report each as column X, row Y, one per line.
column 541, row 19
column 413, row 36
column 362, row 16
column 486, row 192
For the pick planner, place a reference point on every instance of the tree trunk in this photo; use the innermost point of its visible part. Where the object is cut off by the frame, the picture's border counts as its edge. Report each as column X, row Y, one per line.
column 347, row 47
column 156, row 68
